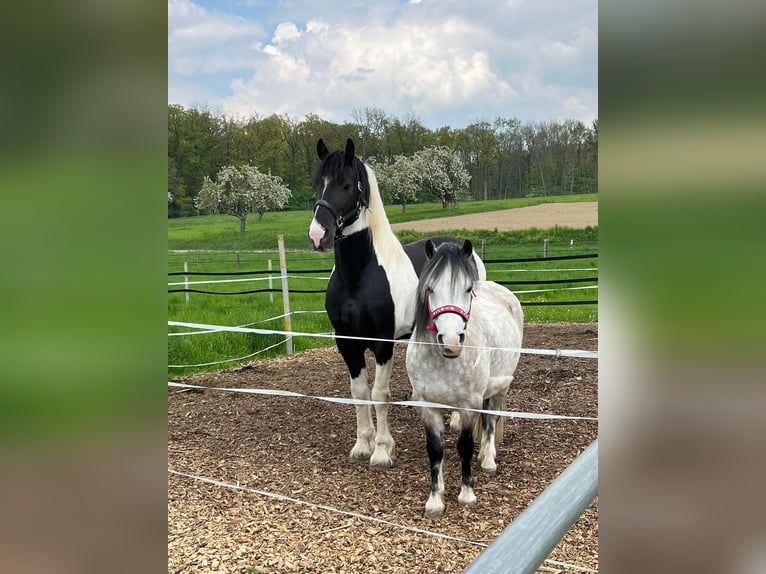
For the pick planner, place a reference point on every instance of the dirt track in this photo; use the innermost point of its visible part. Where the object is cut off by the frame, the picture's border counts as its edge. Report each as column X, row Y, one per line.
column 576, row 215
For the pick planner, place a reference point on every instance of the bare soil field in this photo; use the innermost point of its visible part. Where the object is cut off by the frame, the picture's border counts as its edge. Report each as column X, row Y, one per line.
column 298, row 448
column 576, row 215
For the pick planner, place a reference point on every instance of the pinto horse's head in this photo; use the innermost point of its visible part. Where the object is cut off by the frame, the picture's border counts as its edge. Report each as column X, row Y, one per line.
column 342, row 190
column 445, row 293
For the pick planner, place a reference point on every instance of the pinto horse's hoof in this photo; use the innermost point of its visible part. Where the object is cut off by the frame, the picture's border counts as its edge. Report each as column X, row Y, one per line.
column 381, row 461
column 361, row 451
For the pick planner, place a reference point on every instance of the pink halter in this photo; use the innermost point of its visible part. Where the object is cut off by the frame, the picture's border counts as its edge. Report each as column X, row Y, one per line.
column 465, row 314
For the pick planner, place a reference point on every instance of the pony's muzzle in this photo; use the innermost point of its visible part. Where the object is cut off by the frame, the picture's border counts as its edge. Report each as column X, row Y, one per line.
column 451, row 345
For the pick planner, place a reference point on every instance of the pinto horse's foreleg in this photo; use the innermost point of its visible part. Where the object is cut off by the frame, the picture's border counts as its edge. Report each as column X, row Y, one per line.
column 364, row 429
column 353, row 355
column 465, row 447
column 435, row 448
column 385, row 445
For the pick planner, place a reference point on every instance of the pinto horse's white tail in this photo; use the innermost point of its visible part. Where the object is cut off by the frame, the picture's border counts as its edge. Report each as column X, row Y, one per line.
column 454, row 424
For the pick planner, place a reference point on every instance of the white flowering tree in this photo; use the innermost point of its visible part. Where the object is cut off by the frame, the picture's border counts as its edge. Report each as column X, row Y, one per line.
column 440, row 171
column 241, row 190
column 397, row 180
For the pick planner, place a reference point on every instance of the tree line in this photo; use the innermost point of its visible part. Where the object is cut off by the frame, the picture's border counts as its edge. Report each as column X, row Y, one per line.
column 505, row 158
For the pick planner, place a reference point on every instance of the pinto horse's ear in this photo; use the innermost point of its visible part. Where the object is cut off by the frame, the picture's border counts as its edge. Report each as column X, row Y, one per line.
column 322, row 150
column 430, row 249
column 349, row 152
column 467, row 248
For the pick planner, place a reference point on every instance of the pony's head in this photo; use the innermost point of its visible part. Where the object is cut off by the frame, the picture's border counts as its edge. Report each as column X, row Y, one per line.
column 445, row 292
column 342, row 189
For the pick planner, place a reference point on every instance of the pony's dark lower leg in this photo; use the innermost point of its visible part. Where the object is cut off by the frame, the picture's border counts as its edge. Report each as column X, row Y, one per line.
column 487, row 451
column 435, row 448
column 465, row 450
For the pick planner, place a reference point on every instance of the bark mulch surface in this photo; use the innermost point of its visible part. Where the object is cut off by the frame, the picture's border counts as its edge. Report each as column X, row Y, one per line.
column 298, row 448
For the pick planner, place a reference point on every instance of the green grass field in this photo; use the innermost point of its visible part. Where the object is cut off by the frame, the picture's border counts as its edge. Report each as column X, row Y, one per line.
column 211, row 244
column 222, row 231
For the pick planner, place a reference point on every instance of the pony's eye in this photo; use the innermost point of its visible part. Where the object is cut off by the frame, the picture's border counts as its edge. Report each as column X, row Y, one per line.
column 469, row 290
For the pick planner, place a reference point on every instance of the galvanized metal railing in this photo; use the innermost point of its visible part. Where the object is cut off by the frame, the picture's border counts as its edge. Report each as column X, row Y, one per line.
column 527, row 541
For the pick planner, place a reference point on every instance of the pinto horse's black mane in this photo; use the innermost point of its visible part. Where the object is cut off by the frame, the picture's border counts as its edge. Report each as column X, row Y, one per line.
column 450, row 255
column 332, row 167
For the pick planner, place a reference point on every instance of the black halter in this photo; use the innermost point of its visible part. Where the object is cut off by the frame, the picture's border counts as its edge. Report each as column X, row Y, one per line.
column 343, row 219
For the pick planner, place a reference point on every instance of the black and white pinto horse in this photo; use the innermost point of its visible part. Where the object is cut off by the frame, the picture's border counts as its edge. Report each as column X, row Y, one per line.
column 371, row 291
column 463, row 353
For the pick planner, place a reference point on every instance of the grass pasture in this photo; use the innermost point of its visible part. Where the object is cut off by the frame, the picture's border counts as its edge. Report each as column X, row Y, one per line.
column 216, row 351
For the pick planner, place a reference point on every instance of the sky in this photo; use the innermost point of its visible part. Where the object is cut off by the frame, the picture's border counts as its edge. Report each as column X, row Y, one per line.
column 443, row 62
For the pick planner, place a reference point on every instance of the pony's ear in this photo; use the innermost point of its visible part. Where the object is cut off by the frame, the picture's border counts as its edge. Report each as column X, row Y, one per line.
column 467, row 248
column 322, row 150
column 349, row 152
column 430, row 249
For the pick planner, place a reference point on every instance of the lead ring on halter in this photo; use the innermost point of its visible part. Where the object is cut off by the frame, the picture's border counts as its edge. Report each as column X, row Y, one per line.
column 465, row 314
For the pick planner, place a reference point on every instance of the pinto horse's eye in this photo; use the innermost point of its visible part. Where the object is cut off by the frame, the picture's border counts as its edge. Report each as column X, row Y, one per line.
column 469, row 289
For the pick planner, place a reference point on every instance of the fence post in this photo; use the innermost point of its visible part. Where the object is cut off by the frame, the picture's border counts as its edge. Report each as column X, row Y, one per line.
column 483, row 249
column 237, row 252
column 271, row 285
column 198, row 264
column 186, row 280
column 545, row 248
column 285, row 292
column 529, row 539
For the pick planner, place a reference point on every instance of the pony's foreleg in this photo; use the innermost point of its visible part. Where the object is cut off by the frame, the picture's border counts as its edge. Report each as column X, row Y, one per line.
column 465, row 447
column 435, row 448
column 385, row 445
column 487, row 451
column 364, row 429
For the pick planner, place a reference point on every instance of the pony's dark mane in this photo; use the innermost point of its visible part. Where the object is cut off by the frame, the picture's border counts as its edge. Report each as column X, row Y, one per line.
column 448, row 255
column 332, row 167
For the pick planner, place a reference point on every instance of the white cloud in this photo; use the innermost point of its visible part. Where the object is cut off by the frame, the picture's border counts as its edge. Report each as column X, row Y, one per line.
column 203, row 41
column 401, row 66
column 448, row 62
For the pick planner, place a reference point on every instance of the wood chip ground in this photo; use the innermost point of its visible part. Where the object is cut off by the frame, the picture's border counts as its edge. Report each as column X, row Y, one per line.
column 298, row 448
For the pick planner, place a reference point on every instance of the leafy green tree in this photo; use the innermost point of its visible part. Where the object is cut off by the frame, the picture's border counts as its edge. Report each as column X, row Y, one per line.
column 241, row 190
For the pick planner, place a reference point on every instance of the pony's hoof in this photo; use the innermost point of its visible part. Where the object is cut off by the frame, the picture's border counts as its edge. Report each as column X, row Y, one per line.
column 434, row 513
column 466, row 497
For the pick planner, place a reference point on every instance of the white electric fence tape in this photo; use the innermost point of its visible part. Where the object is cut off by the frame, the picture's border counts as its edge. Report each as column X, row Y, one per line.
column 578, row 354
column 348, row 401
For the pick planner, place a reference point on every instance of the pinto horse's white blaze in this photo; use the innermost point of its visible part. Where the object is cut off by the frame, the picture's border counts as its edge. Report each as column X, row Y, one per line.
column 316, row 232
column 475, row 378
